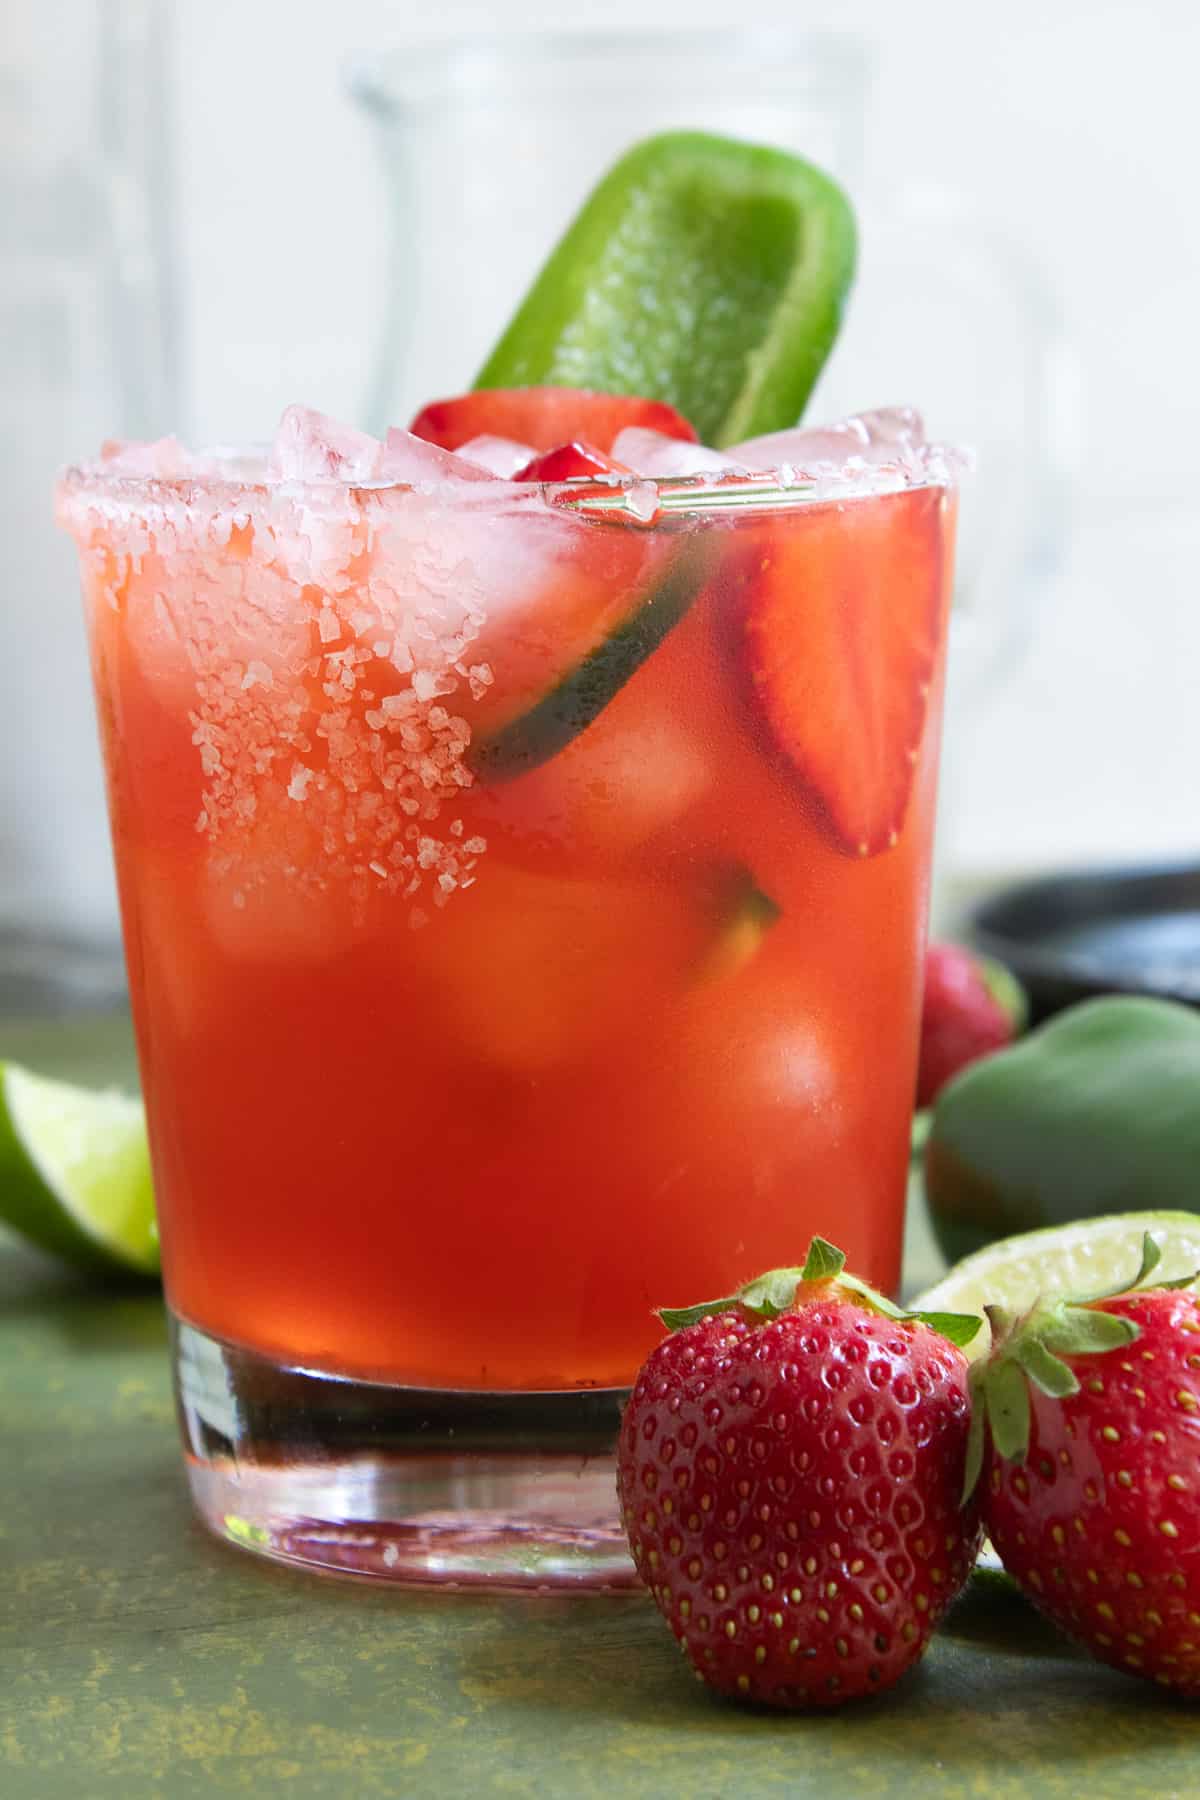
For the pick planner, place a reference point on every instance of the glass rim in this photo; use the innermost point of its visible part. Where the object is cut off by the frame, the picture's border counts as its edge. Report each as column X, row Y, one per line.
column 630, row 499
column 393, row 78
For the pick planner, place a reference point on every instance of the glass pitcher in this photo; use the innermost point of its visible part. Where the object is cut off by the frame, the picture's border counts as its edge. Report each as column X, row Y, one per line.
column 84, row 354
column 489, row 146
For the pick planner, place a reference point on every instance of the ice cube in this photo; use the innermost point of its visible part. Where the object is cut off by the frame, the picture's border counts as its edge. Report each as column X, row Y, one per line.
column 642, row 500
column 891, row 427
column 498, row 455
column 654, row 454
column 309, row 446
column 618, row 784
column 166, row 458
column 890, row 434
column 410, row 459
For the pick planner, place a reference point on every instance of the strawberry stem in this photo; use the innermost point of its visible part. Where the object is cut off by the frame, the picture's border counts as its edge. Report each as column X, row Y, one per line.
column 824, row 1260
column 770, row 1295
column 1031, row 1348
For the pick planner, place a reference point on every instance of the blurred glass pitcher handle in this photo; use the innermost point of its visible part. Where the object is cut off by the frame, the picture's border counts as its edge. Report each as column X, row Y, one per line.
column 1003, row 377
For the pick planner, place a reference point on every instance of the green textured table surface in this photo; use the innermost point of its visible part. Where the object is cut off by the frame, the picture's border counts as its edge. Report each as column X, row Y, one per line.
column 140, row 1658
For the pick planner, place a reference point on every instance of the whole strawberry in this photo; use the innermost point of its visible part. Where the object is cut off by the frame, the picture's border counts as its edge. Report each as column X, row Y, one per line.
column 972, row 1006
column 1087, row 1426
column 790, row 1470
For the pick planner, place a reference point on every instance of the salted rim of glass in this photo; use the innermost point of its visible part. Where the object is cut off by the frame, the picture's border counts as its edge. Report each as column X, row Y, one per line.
column 639, row 499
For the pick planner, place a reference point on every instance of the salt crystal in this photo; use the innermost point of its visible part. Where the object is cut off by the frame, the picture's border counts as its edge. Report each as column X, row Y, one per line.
column 329, row 625
column 257, row 672
column 382, row 648
column 298, row 785
column 428, row 684
column 475, row 846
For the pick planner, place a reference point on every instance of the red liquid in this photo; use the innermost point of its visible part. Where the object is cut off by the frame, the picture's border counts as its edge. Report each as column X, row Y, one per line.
column 469, row 1135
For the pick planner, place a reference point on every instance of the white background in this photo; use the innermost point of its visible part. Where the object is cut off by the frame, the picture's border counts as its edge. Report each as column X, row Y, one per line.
column 1071, row 127
column 1074, row 125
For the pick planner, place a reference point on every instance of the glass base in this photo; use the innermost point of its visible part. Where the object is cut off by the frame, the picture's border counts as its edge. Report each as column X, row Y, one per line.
column 408, row 1485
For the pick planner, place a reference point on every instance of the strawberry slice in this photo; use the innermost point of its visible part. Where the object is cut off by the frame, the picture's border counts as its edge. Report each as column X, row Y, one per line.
column 568, row 462
column 842, row 622
column 544, row 417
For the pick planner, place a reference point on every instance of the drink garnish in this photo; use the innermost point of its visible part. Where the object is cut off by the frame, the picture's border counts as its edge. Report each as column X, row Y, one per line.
column 709, row 273
column 75, row 1172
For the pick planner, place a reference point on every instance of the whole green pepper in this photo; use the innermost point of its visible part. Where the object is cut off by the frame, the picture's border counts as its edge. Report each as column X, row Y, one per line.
column 1098, row 1111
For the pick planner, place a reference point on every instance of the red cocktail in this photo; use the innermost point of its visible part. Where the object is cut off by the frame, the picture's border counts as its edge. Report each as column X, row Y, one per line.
column 523, row 891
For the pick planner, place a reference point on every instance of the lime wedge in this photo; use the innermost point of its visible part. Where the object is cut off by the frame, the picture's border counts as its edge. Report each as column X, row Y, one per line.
column 75, row 1172
column 1090, row 1256
column 702, row 271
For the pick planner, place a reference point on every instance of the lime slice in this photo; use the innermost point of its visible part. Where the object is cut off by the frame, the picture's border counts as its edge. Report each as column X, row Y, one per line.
column 75, row 1172
column 1090, row 1256
column 702, row 271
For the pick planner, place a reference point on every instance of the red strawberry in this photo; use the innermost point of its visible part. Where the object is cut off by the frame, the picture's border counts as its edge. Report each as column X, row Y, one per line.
column 544, row 417
column 972, row 1006
column 566, row 462
column 1091, row 1490
column 790, row 1471
column 843, row 617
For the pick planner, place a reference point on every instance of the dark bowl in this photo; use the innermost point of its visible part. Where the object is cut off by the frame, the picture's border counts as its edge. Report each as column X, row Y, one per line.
column 1108, row 931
